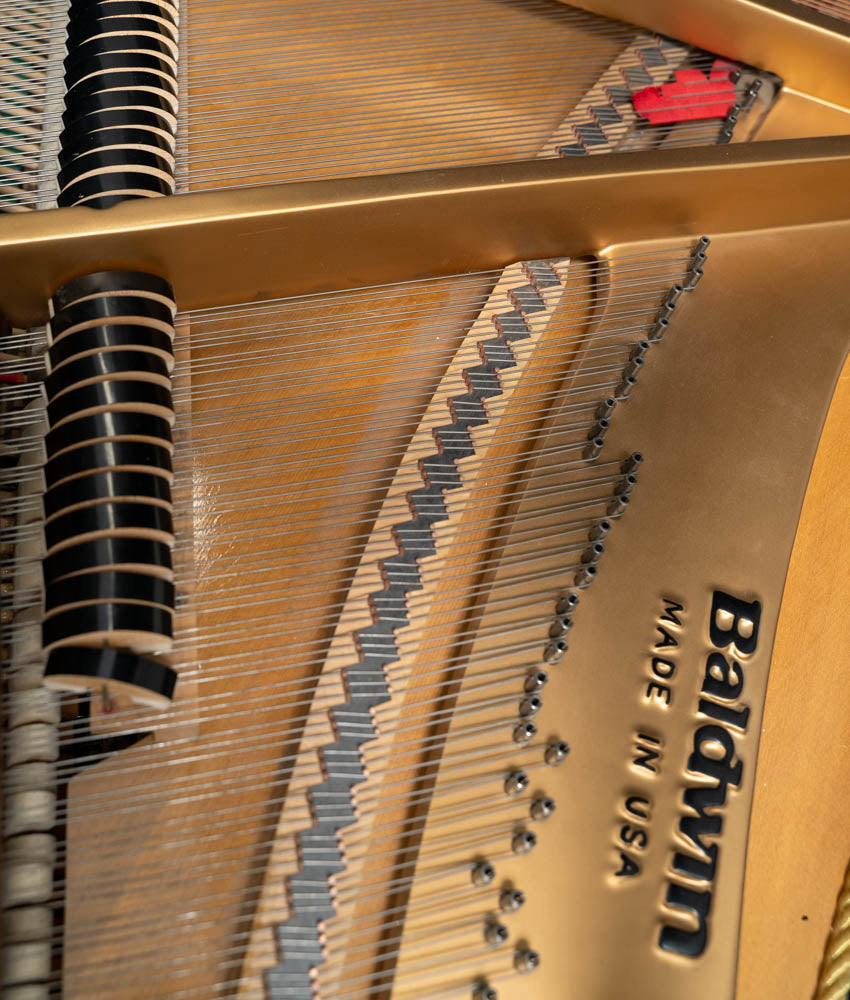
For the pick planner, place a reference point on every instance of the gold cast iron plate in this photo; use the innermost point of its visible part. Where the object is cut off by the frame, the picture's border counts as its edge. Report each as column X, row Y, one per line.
column 728, row 413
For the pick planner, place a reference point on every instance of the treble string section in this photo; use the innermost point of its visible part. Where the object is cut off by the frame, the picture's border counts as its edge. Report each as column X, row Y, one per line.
column 417, row 547
column 441, row 616
column 503, row 336
column 425, row 954
column 195, row 805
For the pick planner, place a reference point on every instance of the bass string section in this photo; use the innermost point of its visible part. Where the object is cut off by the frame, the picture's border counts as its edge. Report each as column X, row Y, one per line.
column 306, row 91
column 387, row 505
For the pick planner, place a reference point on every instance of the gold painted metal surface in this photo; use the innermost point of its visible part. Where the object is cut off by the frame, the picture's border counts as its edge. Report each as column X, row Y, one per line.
column 261, row 243
column 760, row 291
column 808, row 50
column 728, row 418
column 795, row 115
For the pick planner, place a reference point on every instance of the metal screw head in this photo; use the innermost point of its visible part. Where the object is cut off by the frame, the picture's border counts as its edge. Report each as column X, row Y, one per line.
column 555, row 752
column 510, row 900
column 483, row 991
column 526, row 960
column 483, row 873
column 516, row 783
column 524, row 732
column 542, row 808
column 495, row 933
column 530, row 706
column 535, row 681
column 523, row 841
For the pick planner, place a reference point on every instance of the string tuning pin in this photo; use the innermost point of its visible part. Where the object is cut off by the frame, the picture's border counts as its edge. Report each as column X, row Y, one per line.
column 673, row 296
column 555, row 752
column 511, row 900
column 560, row 626
column 600, row 530
column 585, row 575
column 526, row 960
column 725, row 136
column 483, row 873
column 516, row 783
column 566, row 603
column 618, row 505
column 751, row 94
column 535, row 681
column 667, row 307
column 626, row 484
column 694, row 278
column 484, row 991
column 523, row 841
column 605, row 408
column 639, row 350
column 633, row 368
column 554, row 652
column 530, row 706
column 632, row 463
column 665, row 312
column 661, row 326
column 524, row 732
column 542, row 808
column 495, row 933
column 599, row 429
column 593, row 449
column 592, row 554
column 703, row 243
column 625, row 386
column 596, row 439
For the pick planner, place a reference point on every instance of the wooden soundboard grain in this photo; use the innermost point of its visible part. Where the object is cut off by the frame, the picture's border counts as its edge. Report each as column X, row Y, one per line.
column 333, row 76
column 122, row 861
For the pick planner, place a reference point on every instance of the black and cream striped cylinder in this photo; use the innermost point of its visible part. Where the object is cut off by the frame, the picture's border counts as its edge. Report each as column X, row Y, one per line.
column 120, row 118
